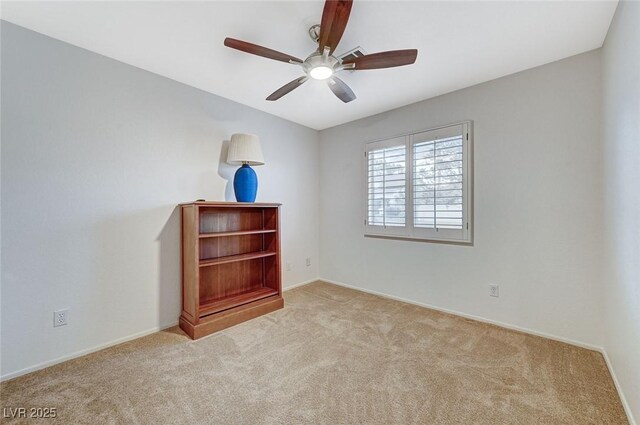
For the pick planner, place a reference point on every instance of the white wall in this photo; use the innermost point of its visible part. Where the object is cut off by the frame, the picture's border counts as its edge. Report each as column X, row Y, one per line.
column 621, row 135
column 95, row 156
column 538, row 218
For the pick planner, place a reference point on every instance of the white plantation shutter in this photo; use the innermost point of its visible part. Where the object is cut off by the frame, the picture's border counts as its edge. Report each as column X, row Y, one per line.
column 421, row 184
column 387, row 185
column 437, row 183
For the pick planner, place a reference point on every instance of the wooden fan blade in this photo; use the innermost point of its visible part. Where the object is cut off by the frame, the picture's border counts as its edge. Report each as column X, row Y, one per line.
column 334, row 20
column 384, row 59
column 254, row 49
column 289, row 87
column 341, row 89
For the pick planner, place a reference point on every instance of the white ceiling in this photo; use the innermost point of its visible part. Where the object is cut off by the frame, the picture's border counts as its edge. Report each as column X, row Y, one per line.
column 460, row 44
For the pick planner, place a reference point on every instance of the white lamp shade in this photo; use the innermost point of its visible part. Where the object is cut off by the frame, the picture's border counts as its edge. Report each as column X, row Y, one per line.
column 245, row 148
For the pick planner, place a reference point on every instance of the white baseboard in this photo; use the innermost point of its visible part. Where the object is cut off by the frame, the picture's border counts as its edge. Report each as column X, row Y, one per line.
column 84, row 352
column 625, row 404
column 471, row 316
column 306, row 282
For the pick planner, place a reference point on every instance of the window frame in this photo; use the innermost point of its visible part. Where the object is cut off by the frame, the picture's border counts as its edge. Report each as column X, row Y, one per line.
column 462, row 236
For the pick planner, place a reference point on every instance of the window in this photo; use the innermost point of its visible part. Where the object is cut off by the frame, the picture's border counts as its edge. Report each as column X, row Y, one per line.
column 419, row 186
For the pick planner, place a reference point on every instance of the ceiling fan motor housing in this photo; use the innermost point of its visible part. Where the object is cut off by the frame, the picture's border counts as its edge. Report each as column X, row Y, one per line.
column 316, row 60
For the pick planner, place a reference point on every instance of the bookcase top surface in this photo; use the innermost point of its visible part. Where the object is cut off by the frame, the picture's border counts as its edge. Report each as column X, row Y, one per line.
column 230, row 204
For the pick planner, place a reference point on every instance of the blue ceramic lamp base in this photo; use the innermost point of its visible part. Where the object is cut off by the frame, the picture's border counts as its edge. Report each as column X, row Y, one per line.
column 245, row 184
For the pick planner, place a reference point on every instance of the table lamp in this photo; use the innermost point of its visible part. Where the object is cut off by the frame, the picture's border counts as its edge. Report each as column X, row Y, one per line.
column 245, row 149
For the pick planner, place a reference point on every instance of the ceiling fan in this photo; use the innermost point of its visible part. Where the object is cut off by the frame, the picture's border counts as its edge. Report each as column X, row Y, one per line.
column 321, row 64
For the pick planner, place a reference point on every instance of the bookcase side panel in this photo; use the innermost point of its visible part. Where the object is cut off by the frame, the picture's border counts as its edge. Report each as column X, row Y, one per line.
column 190, row 269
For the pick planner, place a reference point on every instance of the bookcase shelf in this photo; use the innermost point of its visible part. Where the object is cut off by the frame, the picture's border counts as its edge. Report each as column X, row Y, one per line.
column 234, row 258
column 230, row 264
column 225, row 303
column 242, row 233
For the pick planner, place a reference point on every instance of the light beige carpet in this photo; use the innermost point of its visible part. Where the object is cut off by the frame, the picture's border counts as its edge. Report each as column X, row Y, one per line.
column 332, row 356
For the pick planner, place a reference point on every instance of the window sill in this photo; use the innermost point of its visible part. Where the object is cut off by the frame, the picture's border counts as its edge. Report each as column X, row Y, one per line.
column 412, row 239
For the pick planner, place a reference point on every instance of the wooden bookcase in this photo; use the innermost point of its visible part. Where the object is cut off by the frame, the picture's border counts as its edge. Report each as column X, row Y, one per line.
column 230, row 264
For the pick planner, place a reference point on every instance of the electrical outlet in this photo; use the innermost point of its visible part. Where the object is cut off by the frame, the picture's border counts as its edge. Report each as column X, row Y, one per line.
column 308, row 261
column 289, row 266
column 494, row 290
column 60, row 317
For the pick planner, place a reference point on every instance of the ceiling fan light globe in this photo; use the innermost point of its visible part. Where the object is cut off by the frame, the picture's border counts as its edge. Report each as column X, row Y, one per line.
column 321, row 72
